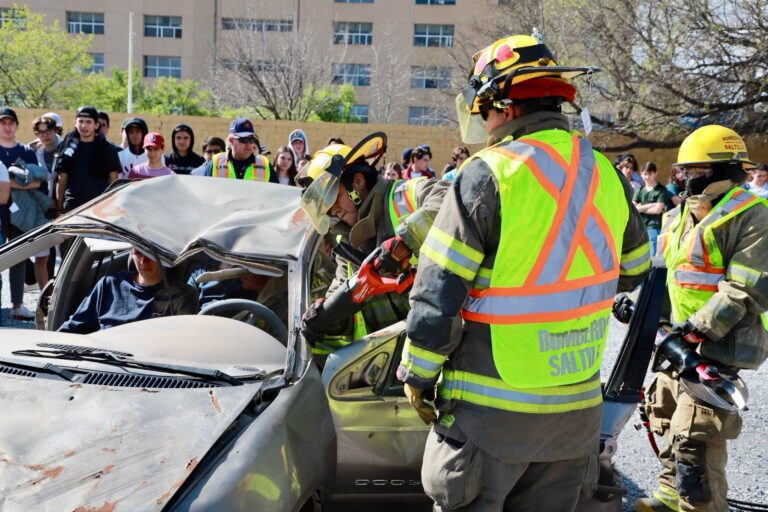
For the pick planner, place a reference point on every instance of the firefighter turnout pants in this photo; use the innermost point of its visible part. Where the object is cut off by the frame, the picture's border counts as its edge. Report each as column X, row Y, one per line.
column 694, row 458
column 461, row 477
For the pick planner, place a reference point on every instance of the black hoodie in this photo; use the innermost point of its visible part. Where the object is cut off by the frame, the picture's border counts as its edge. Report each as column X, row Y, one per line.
column 183, row 164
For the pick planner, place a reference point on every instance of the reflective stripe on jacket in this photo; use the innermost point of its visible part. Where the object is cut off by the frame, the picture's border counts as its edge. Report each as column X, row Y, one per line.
column 402, row 200
column 259, row 170
column 549, row 299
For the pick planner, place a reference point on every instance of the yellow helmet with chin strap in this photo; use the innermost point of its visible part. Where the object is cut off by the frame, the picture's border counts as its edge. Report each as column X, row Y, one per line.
column 713, row 144
column 327, row 168
column 507, row 62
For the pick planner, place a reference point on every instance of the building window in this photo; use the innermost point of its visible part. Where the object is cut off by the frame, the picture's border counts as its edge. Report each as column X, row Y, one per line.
column 98, row 63
column 85, row 22
column 435, row 2
column 347, row 32
column 426, row 116
column 262, row 66
column 257, row 25
column 354, row 1
column 155, row 66
column 11, row 15
column 355, row 74
column 433, row 35
column 167, row 27
column 430, row 77
column 359, row 113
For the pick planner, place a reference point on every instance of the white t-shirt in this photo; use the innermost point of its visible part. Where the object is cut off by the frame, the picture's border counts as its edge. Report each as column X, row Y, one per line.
column 128, row 161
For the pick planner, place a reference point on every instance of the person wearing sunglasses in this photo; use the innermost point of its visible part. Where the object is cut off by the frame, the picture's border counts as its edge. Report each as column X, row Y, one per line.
column 211, row 146
column 243, row 160
column 528, row 249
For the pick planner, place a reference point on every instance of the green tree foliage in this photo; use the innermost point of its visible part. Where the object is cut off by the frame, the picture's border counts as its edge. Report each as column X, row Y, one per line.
column 38, row 60
column 164, row 96
column 333, row 104
column 171, row 96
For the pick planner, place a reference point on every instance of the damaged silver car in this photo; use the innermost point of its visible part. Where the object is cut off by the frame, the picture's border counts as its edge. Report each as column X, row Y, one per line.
column 223, row 410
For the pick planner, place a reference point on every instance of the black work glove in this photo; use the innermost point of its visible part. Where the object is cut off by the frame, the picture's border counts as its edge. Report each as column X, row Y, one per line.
column 689, row 332
column 393, row 257
column 623, row 307
column 307, row 318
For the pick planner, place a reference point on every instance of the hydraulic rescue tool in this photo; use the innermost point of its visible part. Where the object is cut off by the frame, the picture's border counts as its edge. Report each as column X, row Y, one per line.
column 713, row 383
column 348, row 299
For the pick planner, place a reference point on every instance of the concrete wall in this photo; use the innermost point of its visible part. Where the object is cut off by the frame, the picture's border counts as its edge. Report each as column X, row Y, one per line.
column 274, row 134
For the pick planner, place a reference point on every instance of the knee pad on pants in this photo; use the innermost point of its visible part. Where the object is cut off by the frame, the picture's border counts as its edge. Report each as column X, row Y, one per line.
column 691, row 470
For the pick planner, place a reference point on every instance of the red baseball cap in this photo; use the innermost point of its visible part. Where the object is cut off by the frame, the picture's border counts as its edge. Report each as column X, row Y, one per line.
column 154, row 139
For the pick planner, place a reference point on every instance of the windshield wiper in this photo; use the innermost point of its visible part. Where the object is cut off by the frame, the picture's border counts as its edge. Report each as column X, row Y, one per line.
column 104, row 356
column 41, row 367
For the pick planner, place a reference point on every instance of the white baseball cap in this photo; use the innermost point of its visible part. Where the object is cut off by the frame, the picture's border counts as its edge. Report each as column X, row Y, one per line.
column 56, row 117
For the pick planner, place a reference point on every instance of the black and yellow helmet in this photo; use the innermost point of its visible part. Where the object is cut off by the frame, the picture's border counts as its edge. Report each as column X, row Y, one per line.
column 328, row 168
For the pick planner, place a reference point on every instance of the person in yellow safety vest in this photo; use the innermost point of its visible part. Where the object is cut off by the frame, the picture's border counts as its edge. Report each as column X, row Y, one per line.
column 715, row 245
column 242, row 161
column 529, row 248
column 349, row 201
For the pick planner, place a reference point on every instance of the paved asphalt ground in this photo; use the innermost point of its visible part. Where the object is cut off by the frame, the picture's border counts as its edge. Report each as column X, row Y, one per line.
column 748, row 455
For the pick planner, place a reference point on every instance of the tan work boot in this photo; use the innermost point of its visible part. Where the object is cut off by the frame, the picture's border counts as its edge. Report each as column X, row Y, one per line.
column 652, row 505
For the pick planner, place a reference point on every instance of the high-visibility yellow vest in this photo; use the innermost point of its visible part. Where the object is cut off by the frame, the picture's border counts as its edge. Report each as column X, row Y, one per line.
column 402, row 200
column 259, row 170
column 695, row 263
column 549, row 295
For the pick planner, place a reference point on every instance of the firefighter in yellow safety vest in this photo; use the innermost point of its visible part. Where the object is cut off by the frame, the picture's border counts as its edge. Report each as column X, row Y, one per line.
column 715, row 245
column 349, row 201
column 529, row 249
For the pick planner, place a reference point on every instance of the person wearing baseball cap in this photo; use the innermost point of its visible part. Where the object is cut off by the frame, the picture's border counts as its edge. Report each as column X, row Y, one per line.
column 56, row 117
column 85, row 163
column 154, row 166
column 243, row 161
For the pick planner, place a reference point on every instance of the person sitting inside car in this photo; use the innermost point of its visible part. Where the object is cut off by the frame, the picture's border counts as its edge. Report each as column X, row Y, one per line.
column 131, row 296
column 241, row 283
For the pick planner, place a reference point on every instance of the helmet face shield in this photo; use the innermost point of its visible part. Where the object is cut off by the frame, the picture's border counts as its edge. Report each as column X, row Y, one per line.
column 318, row 198
column 471, row 125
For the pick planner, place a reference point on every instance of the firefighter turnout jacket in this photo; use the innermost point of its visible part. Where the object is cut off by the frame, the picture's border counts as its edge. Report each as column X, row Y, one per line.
column 530, row 246
column 718, row 275
column 401, row 207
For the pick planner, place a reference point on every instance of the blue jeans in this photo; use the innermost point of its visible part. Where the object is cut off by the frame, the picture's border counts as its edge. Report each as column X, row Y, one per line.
column 653, row 234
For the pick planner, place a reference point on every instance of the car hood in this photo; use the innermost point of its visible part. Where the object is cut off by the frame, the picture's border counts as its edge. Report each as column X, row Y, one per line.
column 175, row 216
column 193, row 340
column 69, row 446
column 89, row 448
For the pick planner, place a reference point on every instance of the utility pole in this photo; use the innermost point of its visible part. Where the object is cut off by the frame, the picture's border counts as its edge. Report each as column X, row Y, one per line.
column 129, row 106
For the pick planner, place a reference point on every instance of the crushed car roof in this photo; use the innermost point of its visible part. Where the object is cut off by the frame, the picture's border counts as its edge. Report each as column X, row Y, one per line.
column 182, row 214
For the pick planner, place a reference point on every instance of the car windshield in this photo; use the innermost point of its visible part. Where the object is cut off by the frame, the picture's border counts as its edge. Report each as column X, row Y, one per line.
column 220, row 248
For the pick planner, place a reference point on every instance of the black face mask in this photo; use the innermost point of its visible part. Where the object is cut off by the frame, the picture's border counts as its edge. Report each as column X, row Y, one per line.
column 696, row 186
column 720, row 171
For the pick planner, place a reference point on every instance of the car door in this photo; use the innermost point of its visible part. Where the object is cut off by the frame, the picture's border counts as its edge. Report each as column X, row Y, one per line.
column 380, row 438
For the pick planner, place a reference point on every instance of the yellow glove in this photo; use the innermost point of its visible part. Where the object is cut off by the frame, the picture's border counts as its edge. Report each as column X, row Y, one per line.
column 415, row 397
